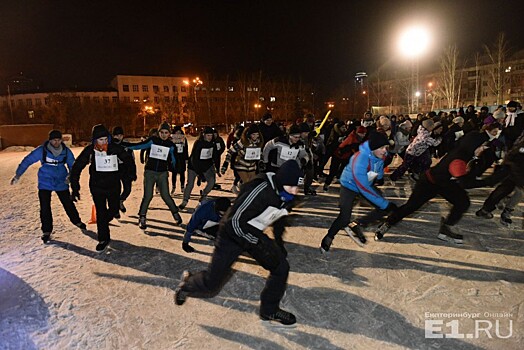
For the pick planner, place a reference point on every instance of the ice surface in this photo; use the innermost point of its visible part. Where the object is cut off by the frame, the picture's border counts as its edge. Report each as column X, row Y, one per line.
column 65, row 296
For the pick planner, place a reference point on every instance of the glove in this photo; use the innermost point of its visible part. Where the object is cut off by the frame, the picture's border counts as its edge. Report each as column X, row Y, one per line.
column 262, row 166
column 15, row 180
column 187, row 248
column 224, row 167
column 379, row 182
column 75, row 196
column 391, row 207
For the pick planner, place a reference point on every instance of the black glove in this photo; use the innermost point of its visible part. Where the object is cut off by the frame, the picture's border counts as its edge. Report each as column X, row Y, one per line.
column 379, row 182
column 187, row 248
column 262, row 166
column 75, row 196
column 391, row 207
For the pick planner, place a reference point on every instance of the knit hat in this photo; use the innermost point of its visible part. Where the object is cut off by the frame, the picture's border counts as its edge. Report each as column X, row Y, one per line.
column 266, row 117
column 208, row 130
column 384, row 122
column 499, row 114
column 304, row 127
column 289, row 174
column 437, row 125
column 164, row 126
column 428, row 124
column 377, row 140
column 458, row 120
column 178, row 128
column 294, row 130
column 55, row 134
column 513, row 104
column 253, row 129
column 99, row 131
column 406, row 124
column 222, row 204
column 118, row 130
column 362, row 130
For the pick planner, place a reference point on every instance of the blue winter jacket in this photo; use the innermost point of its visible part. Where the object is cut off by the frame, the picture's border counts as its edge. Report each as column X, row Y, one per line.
column 204, row 212
column 53, row 173
column 355, row 175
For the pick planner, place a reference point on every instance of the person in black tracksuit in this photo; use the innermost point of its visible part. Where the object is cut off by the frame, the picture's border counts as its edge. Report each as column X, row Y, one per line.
column 103, row 158
column 118, row 137
column 181, row 156
column 201, row 164
column 162, row 152
column 220, row 146
column 449, row 179
column 260, row 203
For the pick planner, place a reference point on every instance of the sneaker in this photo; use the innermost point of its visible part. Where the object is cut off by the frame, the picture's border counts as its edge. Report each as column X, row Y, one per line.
column 357, row 229
column 484, row 213
column 505, row 217
column 446, row 234
column 102, row 246
column 142, row 222
column 46, row 236
column 178, row 219
column 81, row 226
column 122, row 206
column 281, row 317
column 325, row 244
column 381, row 230
column 180, row 295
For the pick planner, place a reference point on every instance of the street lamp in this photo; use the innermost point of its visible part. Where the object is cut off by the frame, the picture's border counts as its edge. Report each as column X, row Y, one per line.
column 195, row 83
column 414, row 41
column 257, row 107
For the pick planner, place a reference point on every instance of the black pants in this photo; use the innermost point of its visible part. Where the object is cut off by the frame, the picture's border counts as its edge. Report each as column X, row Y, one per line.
column 46, row 217
column 126, row 189
column 347, row 198
column 207, row 283
column 503, row 190
column 106, row 203
column 425, row 191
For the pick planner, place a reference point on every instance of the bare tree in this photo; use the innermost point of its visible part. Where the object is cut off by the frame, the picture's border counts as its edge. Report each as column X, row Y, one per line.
column 477, row 78
column 447, row 79
column 497, row 55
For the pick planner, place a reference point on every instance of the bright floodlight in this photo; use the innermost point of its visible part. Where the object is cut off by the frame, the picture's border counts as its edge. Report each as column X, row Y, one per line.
column 414, row 41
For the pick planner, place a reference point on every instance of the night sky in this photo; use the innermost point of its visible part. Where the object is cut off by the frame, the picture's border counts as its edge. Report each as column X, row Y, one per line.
column 86, row 43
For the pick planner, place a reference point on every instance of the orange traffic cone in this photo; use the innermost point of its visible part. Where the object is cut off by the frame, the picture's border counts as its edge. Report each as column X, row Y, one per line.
column 93, row 215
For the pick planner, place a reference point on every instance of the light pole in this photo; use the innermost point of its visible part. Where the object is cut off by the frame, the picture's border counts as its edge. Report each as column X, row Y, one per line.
column 413, row 43
column 192, row 86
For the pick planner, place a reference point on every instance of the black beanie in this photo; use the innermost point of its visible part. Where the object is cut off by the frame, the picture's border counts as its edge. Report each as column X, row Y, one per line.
column 55, row 134
column 294, row 129
column 304, row 127
column 178, row 128
column 222, row 204
column 377, row 140
column 118, row 130
column 164, row 126
column 253, row 129
column 289, row 174
column 99, row 131
column 208, row 130
column 266, row 117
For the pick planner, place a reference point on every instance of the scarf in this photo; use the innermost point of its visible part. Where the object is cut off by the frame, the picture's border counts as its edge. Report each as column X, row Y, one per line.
column 55, row 151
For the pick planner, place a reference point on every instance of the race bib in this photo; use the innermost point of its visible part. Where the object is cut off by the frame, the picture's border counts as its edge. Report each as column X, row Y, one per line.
column 268, row 216
column 159, row 152
column 106, row 163
column 51, row 161
column 252, row 153
column 289, row 153
column 372, row 176
column 179, row 148
column 206, row 153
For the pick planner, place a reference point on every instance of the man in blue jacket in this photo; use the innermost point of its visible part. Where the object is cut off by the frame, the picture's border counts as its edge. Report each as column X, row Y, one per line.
column 205, row 219
column 365, row 169
column 53, row 175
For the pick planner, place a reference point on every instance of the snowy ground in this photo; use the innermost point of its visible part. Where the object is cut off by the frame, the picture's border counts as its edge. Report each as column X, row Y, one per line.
column 65, row 296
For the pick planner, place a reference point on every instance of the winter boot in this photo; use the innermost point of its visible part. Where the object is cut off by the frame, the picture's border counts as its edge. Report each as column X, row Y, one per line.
column 446, row 234
column 142, row 222
column 381, row 230
column 325, row 244
column 283, row 318
column 505, row 217
column 180, row 295
column 122, row 207
column 484, row 213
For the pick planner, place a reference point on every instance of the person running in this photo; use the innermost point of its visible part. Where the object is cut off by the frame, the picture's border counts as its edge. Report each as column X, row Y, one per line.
column 161, row 152
column 103, row 158
column 201, row 165
column 282, row 149
column 358, row 177
column 53, row 156
column 118, row 137
column 449, row 179
column 260, row 204
column 204, row 220
column 181, row 156
column 246, row 152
